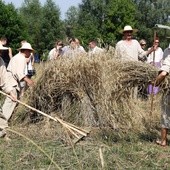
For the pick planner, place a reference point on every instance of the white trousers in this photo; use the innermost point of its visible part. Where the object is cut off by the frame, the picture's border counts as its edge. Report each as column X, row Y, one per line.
column 7, row 110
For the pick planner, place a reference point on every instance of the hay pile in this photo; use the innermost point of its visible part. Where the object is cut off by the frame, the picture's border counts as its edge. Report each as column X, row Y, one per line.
column 93, row 91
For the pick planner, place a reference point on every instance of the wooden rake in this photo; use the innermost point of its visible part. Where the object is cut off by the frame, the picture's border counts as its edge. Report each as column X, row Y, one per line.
column 78, row 132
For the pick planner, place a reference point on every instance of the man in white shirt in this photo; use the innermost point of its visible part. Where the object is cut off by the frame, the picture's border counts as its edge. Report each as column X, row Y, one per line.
column 94, row 49
column 129, row 49
column 56, row 52
column 72, row 50
column 80, row 47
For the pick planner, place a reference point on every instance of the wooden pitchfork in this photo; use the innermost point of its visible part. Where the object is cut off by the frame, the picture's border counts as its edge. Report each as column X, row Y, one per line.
column 78, row 132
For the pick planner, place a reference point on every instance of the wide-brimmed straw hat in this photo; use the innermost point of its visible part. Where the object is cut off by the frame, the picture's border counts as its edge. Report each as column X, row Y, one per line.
column 2, row 47
column 26, row 46
column 128, row 28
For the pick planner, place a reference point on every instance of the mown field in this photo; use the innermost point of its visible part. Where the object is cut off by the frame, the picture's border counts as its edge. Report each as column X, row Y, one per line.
column 100, row 150
column 90, row 93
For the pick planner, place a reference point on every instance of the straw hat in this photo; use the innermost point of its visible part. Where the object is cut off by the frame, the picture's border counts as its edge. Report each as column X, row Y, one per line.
column 26, row 46
column 2, row 47
column 128, row 28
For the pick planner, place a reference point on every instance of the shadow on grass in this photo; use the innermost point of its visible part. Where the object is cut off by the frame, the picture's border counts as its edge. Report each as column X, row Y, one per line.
column 148, row 137
column 151, row 132
column 111, row 136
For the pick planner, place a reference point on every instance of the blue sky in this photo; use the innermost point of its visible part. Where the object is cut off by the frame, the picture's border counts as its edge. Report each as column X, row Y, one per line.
column 63, row 4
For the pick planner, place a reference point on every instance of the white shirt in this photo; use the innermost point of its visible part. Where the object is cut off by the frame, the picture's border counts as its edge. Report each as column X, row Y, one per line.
column 54, row 53
column 166, row 53
column 129, row 52
column 158, row 56
column 166, row 60
column 95, row 51
column 17, row 66
column 81, row 48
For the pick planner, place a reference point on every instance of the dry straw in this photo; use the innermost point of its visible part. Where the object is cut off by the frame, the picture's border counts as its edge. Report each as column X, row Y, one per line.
column 92, row 91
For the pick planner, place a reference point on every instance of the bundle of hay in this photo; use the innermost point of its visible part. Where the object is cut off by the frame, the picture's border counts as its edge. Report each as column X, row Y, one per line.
column 92, row 91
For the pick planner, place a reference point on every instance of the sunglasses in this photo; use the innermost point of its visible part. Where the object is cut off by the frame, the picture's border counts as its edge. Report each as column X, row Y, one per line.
column 128, row 31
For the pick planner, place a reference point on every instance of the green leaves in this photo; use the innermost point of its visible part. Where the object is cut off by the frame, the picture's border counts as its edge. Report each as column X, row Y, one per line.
column 43, row 23
column 102, row 19
column 11, row 25
column 93, row 19
column 150, row 13
column 51, row 25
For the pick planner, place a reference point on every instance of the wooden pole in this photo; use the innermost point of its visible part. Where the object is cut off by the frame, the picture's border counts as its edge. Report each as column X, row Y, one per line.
column 152, row 93
column 155, row 35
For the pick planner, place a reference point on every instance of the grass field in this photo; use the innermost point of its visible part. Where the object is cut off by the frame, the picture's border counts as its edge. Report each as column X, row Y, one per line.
column 99, row 150
column 130, row 144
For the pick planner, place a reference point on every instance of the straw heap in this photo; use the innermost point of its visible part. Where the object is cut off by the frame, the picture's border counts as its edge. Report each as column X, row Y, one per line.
column 90, row 91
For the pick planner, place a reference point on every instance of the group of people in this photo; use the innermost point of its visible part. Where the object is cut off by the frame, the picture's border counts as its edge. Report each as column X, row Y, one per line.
column 129, row 49
column 14, row 70
column 73, row 48
column 13, row 78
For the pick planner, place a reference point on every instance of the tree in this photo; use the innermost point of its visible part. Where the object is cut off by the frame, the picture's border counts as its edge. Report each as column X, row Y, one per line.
column 89, row 21
column 12, row 26
column 117, row 14
column 31, row 12
column 103, row 19
column 51, row 27
column 71, row 21
column 150, row 13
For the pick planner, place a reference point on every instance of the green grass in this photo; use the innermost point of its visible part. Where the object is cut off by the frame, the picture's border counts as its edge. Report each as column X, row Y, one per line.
column 133, row 151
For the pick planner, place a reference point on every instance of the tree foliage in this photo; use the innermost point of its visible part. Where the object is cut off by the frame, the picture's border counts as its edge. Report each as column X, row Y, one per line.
column 51, row 25
column 11, row 25
column 71, row 21
column 31, row 12
column 102, row 19
column 92, row 19
column 150, row 13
